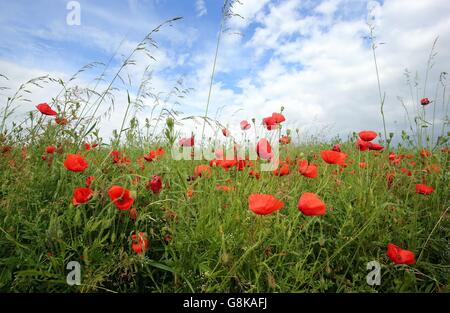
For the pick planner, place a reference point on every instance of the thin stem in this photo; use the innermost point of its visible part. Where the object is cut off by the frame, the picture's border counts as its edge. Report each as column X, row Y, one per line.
column 213, row 70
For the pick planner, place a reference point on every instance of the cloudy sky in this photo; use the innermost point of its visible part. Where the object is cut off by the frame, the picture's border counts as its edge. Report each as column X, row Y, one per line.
column 311, row 57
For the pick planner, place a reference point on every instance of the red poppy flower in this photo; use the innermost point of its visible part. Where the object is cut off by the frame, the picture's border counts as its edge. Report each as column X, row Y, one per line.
column 264, row 204
column 285, row 140
column 270, row 123
column 400, row 256
column 245, row 125
column 425, row 153
column 202, row 170
column 307, row 170
column 362, row 164
column 140, row 243
column 61, row 121
column 81, row 195
column 264, row 150
column 367, row 135
column 225, row 132
column 89, row 181
column 45, row 109
column 278, row 118
column 424, row 189
column 150, row 156
column 390, row 179
column 424, row 101
column 224, row 188
column 240, row 165
column 310, row 204
column 75, row 163
column 155, row 184
column 333, row 157
column 337, row 148
column 186, row 142
column 363, row 145
column 254, row 174
column 132, row 214
column 50, row 149
column 406, row 171
column 120, row 197
column 227, row 164
column 375, row 146
column 433, row 168
column 282, row 171
column 153, row 154
column 87, row 147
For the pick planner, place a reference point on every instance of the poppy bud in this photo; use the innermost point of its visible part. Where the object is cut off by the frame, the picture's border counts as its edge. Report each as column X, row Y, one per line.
column 424, row 101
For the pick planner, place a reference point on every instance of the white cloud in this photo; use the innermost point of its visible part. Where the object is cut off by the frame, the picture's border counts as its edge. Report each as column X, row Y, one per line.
column 322, row 71
column 200, row 7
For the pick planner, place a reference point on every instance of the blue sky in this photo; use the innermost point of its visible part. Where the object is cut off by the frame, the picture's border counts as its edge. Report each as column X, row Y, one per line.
column 309, row 56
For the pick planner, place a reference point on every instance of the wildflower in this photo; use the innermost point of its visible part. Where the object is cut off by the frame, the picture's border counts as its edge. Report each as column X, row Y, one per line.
column 202, row 170
column 367, row 135
column 254, row 174
column 307, row 170
column 400, row 256
column 336, row 147
column 270, row 123
column 424, row 189
column 425, row 153
column 406, row 171
column 155, row 184
column 120, row 197
column 61, row 121
column 264, row 204
column 363, row 145
column 390, row 179
column 50, row 149
column 132, row 214
column 89, row 181
column 310, row 204
column 75, row 163
column 81, row 195
column 45, row 109
column 285, row 140
column 245, row 125
column 283, row 170
column 278, row 118
column 140, row 243
column 424, row 101
column 375, row 146
column 225, row 132
column 224, row 188
column 333, row 157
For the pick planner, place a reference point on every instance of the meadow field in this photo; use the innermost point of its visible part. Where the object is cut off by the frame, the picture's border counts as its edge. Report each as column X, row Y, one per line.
column 141, row 212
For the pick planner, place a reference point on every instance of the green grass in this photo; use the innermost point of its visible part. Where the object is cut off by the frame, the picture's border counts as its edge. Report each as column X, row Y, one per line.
column 218, row 244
